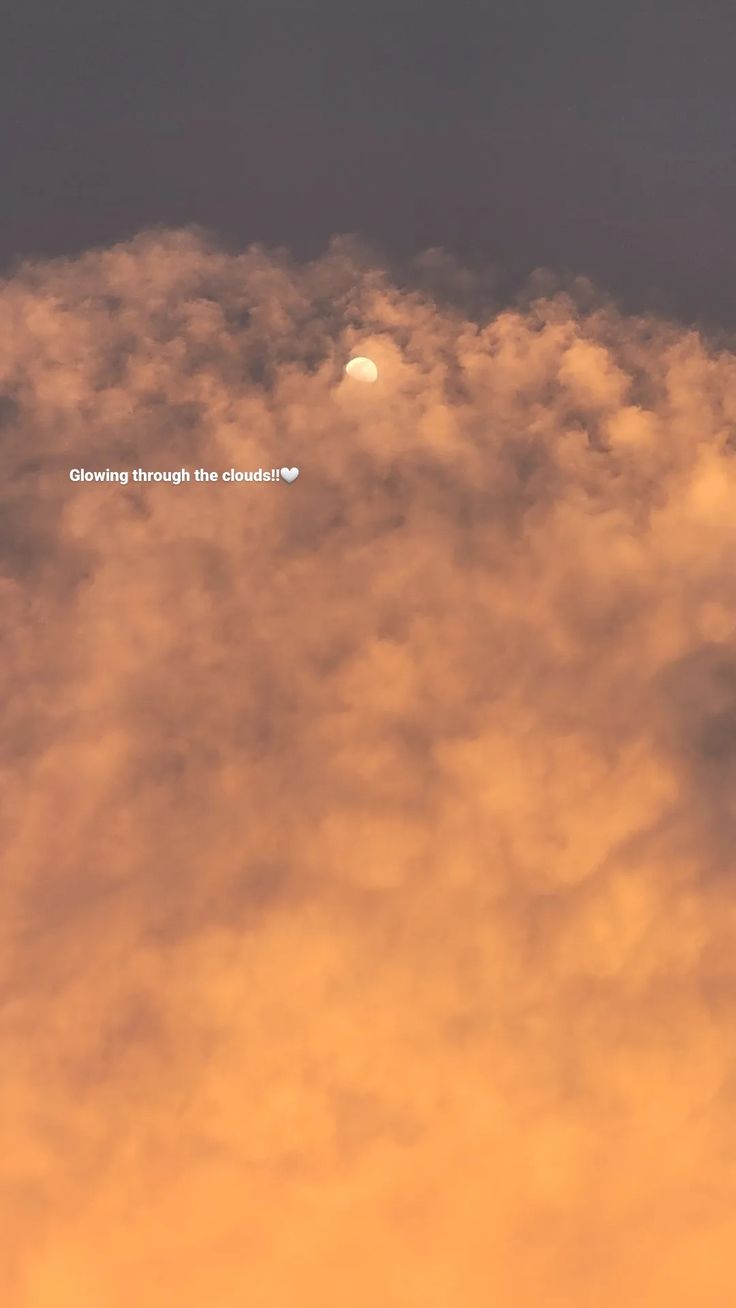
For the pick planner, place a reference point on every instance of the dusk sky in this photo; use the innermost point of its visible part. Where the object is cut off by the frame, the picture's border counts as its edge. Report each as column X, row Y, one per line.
column 596, row 139
column 367, row 927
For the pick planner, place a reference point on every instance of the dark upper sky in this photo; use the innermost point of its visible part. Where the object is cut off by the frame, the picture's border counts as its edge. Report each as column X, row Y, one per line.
column 568, row 133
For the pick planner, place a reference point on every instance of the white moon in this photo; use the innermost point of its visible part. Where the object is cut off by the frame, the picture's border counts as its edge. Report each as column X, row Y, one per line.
column 362, row 369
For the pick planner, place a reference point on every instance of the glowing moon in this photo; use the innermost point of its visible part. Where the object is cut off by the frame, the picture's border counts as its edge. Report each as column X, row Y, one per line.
column 362, row 369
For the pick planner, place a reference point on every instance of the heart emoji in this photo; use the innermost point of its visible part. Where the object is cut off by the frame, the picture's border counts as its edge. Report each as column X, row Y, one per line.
column 289, row 474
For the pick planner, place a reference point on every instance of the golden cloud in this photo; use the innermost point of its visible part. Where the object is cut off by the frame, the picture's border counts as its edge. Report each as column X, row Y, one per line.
column 367, row 843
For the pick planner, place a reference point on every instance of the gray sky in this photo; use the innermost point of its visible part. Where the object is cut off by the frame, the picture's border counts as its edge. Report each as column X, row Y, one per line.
column 597, row 139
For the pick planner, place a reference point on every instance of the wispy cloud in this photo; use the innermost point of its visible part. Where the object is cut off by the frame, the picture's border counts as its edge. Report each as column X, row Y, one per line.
column 366, row 912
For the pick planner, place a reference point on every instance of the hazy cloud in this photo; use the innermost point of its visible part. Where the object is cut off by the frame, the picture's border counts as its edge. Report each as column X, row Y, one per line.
column 367, row 843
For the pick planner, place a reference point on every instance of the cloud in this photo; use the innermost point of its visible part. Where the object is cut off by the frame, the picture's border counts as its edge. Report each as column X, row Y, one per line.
column 366, row 924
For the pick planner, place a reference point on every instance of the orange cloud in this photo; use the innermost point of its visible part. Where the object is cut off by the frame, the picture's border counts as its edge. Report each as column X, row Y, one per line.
column 366, row 925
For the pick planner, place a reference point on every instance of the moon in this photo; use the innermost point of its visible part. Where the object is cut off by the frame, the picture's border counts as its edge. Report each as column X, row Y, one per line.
column 362, row 369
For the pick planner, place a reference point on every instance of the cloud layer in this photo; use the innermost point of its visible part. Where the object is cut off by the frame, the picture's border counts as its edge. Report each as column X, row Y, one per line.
column 367, row 844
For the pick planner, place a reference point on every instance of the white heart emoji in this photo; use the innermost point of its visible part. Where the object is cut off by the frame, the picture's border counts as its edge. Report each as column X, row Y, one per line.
column 289, row 474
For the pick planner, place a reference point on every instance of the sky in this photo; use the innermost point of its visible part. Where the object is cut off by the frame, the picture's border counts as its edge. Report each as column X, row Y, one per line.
column 366, row 912
column 592, row 139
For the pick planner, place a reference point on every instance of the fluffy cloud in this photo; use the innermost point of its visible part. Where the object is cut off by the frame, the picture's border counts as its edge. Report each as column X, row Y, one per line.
column 367, row 922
